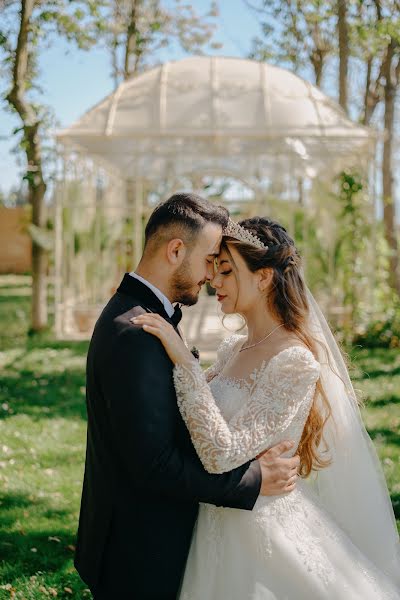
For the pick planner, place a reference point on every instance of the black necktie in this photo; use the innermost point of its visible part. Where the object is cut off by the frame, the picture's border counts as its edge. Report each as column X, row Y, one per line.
column 177, row 316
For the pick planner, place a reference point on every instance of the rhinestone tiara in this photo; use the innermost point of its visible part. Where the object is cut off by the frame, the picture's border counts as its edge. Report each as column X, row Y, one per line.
column 238, row 232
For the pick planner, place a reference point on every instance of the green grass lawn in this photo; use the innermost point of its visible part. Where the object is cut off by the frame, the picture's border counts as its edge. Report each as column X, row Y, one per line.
column 42, row 444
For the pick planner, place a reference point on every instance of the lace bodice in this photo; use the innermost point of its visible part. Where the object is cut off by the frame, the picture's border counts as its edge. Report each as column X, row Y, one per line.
column 231, row 421
column 229, row 394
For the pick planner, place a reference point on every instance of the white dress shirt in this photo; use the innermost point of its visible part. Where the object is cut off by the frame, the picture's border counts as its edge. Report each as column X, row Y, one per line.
column 169, row 309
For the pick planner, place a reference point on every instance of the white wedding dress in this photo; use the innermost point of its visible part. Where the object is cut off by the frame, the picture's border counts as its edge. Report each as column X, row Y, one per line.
column 288, row 547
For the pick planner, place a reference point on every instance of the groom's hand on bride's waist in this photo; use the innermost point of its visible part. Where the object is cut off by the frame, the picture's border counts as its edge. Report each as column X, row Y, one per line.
column 279, row 474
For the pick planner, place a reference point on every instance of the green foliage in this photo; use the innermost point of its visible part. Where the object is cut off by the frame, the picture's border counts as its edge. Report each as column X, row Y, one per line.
column 295, row 34
column 352, row 235
column 136, row 32
column 382, row 333
column 371, row 29
column 340, row 246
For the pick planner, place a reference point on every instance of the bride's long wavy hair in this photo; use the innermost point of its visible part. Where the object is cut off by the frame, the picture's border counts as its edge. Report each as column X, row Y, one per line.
column 287, row 301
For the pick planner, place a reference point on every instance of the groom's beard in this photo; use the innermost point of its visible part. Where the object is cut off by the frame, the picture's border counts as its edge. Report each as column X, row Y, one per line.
column 184, row 289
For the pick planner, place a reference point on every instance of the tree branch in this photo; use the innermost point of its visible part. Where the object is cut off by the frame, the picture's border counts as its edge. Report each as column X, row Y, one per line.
column 131, row 39
column 378, row 7
column 16, row 95
column 375, row 95
column 254, row 8
column 343, row 35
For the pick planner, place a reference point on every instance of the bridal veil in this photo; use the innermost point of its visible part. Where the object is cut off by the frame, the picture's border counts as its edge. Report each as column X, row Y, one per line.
column 353, row 488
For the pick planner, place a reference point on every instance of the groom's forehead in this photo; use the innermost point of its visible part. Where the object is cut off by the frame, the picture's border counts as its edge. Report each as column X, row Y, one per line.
column 210, row 238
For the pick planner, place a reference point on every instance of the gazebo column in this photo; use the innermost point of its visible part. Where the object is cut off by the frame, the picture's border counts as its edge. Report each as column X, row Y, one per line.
column 59, row 202
column 134, row 197
column 373, row 196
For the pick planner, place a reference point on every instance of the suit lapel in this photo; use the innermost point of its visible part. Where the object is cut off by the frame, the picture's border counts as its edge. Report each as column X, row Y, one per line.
column 131, row 286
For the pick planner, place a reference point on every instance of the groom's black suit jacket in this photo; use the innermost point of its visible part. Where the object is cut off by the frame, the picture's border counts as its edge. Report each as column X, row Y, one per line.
column 143, row 480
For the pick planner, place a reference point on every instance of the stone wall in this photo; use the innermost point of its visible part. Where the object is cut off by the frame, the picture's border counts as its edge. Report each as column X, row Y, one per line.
column 15, row 242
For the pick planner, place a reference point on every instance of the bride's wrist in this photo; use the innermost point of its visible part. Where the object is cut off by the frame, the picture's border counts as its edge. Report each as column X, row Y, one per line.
column 187, row 362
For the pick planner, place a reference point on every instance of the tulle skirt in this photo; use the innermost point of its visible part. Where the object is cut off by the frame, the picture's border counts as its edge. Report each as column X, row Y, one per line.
column 287, row 548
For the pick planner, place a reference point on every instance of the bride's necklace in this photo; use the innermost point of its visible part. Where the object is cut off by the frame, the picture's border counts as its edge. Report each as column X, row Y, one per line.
column 263, row 340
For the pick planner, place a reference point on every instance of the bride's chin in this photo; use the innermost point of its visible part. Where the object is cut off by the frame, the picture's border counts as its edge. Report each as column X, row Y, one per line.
column 227, row 311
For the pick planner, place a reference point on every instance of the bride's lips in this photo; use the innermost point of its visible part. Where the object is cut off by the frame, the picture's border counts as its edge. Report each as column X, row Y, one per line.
column 220, row 298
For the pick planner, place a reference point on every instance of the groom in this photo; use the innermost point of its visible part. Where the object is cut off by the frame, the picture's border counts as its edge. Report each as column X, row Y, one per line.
column 143, row 480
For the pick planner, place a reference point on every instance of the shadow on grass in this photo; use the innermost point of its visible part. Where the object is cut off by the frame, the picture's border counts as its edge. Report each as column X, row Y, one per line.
column 51, row 395
column 7, row 519
column 16, row 545
column 370, row 363
column 384, row 401
column 14, row 300
column 47, row 341
column 47, row 553
column 9, row 503
column 387, row 435
column 28, row 553
column 14, row 318
column 380, row 373
column 396, row 504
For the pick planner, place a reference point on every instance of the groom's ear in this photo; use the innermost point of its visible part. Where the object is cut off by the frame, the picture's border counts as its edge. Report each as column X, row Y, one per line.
column 176, row 251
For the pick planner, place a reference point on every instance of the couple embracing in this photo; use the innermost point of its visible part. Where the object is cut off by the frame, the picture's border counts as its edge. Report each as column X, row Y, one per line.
column 252, row 480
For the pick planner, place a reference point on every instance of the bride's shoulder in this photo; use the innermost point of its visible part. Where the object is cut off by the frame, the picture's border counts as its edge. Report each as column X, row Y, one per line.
column 292, row 357
column 295, row 359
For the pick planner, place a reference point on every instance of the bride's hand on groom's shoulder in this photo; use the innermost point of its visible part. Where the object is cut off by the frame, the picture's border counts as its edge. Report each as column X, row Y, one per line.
column 174, row 346
column 279, row 473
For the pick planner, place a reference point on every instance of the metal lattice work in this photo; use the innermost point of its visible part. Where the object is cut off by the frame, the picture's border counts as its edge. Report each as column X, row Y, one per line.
column 178, row 126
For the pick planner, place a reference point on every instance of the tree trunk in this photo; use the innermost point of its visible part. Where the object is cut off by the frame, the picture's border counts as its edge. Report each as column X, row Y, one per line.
column 366, row 117
column 114, row 62
column 374, row 94
column 131, row 48
column 114, row 45
column 39, row 288
column 37, row 187
column 317, row 60
column 389, row 216
column 37, row 190
column 343, row 52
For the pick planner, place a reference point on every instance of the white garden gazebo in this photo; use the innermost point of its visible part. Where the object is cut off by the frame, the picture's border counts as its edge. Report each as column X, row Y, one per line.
column 174, row 127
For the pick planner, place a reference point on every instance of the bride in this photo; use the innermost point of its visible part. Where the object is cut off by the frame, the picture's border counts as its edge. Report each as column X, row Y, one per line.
column 335, row 536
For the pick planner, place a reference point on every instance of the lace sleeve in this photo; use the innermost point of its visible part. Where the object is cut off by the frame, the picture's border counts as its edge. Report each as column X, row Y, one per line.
column 284, row 387
column 224, row 352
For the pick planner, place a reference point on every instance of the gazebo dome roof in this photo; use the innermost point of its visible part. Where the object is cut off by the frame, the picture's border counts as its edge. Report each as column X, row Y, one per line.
column 213, row 100
column 215, row 95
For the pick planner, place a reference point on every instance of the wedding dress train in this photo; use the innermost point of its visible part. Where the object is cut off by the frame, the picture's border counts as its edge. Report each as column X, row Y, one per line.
column 289, row 547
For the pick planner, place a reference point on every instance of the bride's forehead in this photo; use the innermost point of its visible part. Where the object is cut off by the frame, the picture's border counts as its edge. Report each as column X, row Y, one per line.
column 229, row 254
column 223, row 255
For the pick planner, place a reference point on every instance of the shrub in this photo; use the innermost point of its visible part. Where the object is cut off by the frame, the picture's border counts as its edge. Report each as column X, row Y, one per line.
column 383, row 333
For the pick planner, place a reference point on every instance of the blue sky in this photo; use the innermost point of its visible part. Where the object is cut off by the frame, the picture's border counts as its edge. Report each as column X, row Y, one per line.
column 73, row 81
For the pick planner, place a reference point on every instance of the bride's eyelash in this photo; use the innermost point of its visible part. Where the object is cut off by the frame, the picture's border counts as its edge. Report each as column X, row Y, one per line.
column 226, row 272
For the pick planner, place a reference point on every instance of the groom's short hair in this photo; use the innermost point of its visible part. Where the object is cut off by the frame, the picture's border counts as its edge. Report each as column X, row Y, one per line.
column 182, row 215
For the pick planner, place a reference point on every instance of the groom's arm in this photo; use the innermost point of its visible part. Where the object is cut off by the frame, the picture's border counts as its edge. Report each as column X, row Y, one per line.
column 139, row 391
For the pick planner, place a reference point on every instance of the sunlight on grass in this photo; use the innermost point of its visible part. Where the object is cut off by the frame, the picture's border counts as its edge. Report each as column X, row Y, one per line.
column 377, row 375
column 42, row 433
